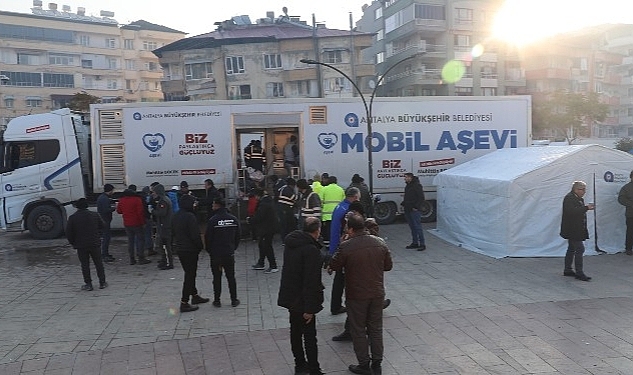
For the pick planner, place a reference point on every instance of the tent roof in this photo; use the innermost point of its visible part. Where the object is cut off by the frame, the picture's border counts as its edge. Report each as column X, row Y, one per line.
column 510, row 163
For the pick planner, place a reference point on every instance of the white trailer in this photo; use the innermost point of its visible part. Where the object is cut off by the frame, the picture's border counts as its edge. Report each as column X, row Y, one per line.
column 139, row 143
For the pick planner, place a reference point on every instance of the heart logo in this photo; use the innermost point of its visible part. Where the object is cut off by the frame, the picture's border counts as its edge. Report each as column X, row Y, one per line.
column 153, row 142
column 328, row 140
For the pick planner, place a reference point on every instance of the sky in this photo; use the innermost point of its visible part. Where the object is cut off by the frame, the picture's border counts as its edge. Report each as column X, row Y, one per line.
column 521, row 21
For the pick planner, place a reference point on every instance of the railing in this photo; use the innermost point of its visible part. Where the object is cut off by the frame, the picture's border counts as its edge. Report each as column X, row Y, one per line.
column 428, row 74
column 418, row 48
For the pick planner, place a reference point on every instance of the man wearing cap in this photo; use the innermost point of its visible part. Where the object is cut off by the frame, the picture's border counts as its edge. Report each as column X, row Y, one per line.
column 105, row 208
column 83, row 233
column 365, row 197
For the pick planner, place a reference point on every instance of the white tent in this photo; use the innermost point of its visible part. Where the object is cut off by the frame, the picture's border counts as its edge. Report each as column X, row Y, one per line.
column 509, row 202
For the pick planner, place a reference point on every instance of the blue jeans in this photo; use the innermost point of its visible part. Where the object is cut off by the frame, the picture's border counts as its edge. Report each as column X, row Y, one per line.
column 135, row 238
column 413, row 219
column 105, row 239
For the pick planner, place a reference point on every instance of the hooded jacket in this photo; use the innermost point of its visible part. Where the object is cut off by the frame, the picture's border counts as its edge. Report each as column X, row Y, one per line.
column 301, row 289
column 131, row 207
column 265, row 218
column 223, row 234
column 162, row 212
column 185, row 229
column 83, row 229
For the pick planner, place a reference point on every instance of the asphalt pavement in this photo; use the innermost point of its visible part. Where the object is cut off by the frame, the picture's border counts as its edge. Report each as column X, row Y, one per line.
column 453, row 312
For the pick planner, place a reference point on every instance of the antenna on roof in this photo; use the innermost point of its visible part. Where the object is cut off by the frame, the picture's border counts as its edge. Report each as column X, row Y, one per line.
column 285, row 10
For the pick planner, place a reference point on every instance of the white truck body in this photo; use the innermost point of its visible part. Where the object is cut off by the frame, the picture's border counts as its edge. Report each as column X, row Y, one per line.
column 139, row 143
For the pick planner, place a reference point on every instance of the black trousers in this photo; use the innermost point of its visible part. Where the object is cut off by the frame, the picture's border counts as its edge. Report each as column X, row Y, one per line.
column 575, row 250
column 84, row 256
column 226, row 262
column 338, row 286
column 266, row 250
column 325, row 232
column 629, row 234
column 189, row 262
column 304, row 335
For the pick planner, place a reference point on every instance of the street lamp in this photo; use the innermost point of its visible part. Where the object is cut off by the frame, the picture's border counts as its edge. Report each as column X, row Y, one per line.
column 368, row 108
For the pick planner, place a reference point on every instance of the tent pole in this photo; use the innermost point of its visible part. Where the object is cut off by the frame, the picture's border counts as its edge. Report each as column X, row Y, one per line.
column 595, row 220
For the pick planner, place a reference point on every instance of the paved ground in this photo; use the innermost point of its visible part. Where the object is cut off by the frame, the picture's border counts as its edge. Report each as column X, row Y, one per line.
column 453, row 312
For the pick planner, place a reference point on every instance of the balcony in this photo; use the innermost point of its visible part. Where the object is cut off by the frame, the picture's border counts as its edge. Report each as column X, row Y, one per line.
column 301, row 74
column 463, row 24
column 173, row 86
column 430, row 27
column 435, row 50
column 416, row 77
column 365, row 70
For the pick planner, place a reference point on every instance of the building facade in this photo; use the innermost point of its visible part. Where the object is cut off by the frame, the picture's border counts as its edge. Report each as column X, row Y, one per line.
column 244, row 60
column 415, row 40
column 48, row 56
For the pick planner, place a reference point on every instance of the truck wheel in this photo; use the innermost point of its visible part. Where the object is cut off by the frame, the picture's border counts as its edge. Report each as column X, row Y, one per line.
column 429, row 211
column 45, row 223
column 385, row 212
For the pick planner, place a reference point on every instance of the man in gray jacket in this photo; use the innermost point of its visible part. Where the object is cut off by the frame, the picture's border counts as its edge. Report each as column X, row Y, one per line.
column 625, row 198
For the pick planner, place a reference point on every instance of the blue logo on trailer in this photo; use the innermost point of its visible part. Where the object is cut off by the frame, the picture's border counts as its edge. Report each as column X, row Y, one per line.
column 8, row 187
column 153, row 142
column 137, row 116
column 327, row 140
column 609, row 177
column 351, row 120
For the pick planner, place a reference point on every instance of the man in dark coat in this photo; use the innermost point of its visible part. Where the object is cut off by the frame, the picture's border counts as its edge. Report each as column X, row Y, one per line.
column 163, row 214
column 222, row 238
column 105, row 208
column 413, row 203
column 625, row 198
column 210, row 194
column 301, row 292
column 187, row 243
column 573, row 228
column 83, row 231
column 265, row 219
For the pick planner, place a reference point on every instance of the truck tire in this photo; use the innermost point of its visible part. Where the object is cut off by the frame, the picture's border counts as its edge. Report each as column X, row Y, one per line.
column 429, row 211
column 45, row 223
column 385, row 212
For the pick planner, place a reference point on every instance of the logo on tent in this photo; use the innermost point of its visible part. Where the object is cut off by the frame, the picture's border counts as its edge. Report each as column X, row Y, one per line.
column 609, row 177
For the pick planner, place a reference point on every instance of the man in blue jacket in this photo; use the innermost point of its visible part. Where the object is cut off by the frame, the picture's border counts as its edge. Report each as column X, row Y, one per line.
column 222, row 238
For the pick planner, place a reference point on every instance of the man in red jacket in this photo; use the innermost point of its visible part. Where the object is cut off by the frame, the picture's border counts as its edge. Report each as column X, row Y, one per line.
column 131, row 207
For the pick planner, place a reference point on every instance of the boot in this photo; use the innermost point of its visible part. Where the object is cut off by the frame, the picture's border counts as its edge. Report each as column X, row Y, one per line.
column 186, row 307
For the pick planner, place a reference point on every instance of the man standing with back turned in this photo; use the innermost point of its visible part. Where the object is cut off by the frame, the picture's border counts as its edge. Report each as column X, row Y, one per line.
column 626, row 199
column 365, row 259
column 412, row 204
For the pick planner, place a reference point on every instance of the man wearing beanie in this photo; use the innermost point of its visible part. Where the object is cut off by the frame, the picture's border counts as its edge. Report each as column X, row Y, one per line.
column 83, row 233
column 105, row 208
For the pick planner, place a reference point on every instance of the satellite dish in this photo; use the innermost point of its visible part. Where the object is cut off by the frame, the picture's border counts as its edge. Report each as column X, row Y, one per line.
column 372, row 84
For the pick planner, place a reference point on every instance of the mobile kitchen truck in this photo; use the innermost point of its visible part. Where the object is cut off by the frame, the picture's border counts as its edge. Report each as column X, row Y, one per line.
column 50, row 160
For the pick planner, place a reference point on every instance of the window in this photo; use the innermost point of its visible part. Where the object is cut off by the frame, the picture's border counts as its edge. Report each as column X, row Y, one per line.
column 629, row 111
column 60, row 60
column 110, row 43
column 22, row 79
column 109, row 99
column 33, row 102
column 8, row 102
column 130, row 64
column 489, row 91
column 128, row 44
column 333, row 57
column 58, row 80
column 378, row 13
column 36, row 33
column 300, row 88
column 275, row 89
column 26, row 59
column 463, row 15
column 149, row 46
column 88, row 82
column 86, row 64
column 488, row 70
column 462, row 40
column 272, row 61
column 631, row 93
column 129, row 84
column 151, row 66
column 337, row 84
column 380, row 35
column 234, row 65
column 112, row 84
column 84, row 40
column 464, row 91
column 240, row 92
column 112, row 63
column 198, row 70
column 430, row 12
column 380, row 57
column 28, row 153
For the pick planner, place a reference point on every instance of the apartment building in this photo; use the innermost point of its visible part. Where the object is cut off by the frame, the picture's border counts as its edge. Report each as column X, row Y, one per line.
column 596, row 59
column 415, row 39
column 244, row 60
column 48, row 56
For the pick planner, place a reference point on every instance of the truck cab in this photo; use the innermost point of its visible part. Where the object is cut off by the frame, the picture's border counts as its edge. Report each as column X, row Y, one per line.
column 40, row 173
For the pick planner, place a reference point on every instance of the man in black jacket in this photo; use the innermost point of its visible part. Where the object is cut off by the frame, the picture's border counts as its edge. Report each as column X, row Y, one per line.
column 188, row 244
column 413, row 203
column 265, row 219
column 573, row 228
column 301, row 292
column 83, row 232
column 222, row 238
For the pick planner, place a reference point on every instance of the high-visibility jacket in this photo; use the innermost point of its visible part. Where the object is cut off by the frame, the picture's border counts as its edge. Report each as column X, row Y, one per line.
column 317, row 187
column 331, row 195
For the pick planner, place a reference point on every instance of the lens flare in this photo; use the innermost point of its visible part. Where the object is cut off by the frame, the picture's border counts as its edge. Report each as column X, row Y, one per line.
column 172, row 311
column 477, row 50
column 453, row 71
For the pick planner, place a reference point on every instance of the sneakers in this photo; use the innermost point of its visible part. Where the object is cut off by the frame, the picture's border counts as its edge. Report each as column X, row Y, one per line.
column 151, row 252
column 582, row 277
column 108, row 258
column 272, row 270
column 196, row 300
column 217, row 303
column 386, row 303
column 87, row 287
column 258, row 267
column 185, row 307
column 629, row 252
column 166, row 267
column 345, row 336
column 235, row 302
column 569, row 273
column 144, row 261
column 302, row 369
column 421, row 248
column 360, row 369
column 103, row 285
column 412, row 246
